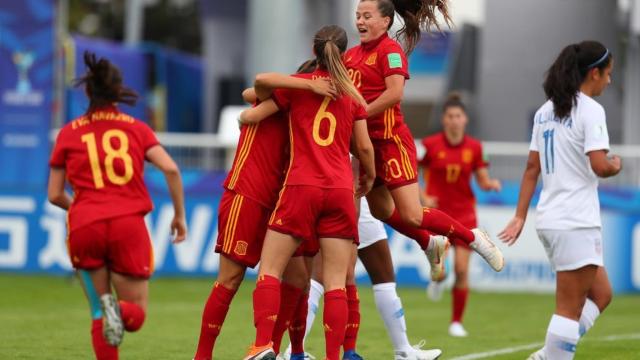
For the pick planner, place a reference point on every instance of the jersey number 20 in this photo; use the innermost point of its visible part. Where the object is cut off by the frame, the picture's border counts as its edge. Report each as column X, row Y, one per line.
column 121, row 152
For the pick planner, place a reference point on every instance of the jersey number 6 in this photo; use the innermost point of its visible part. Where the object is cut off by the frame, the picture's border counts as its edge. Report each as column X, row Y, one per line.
column 321, row 115
column 112, row 154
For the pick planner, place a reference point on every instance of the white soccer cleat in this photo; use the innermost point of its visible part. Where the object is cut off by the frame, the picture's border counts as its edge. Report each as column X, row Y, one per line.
column 437, row 255
column 457, row 330
column 538, row 355
column 112, row 326
column 435, row 289
column 416, row 353
column 485, row 247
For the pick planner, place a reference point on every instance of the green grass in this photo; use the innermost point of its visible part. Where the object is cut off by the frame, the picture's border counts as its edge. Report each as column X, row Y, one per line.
column 47, row 318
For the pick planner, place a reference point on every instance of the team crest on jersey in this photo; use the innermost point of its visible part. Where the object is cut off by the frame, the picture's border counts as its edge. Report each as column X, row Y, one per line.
column 467, row 156
column 371, row 60
column 241, row 248
column 442, row 155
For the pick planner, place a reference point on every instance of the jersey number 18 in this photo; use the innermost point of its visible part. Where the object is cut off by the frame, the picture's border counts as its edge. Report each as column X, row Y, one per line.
column 118, row 153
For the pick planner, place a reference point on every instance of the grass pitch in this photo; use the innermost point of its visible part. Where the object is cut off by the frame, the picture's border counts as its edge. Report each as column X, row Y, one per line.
column 45, row 317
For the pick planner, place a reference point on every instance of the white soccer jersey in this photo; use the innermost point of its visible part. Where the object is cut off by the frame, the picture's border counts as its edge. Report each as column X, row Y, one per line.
column 569, row 198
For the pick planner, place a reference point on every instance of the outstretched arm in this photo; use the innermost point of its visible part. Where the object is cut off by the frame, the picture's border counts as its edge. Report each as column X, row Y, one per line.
column 265, row 83
column 485, row 181
column 258, row 113
column 364, row 149
column 527, row 187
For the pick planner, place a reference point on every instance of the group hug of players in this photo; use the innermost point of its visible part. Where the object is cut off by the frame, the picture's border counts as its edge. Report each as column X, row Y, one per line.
column 292, row 199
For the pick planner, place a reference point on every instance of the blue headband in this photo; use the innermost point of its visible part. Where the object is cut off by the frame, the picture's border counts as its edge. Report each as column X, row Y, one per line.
column 599, row 61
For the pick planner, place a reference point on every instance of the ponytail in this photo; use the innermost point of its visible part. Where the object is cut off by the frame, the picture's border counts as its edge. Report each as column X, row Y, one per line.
column 103, row 83
column 568, row 72
column 329, row 44
column 307, row 66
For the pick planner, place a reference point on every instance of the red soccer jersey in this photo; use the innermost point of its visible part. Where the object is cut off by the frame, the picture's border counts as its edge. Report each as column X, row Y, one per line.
column 448, row 170
column 320, row 130
column 103, row 155
column 261, row 160
column 369, row 64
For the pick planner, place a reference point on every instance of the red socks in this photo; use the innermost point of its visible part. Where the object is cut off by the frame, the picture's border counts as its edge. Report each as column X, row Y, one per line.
column 353, row 323
column 266, row 303
column 101, row 348
column 299, row 325
column 335, row 321
column 459, row 302
column 289, row 297
column 438, row 222
column 132, row 315
column 417, row 234
column 213, row 315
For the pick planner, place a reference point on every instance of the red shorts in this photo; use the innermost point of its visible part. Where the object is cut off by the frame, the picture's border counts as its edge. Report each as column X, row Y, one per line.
column 242, row 224
column 311, row 213
column 467, row 219
column 121, row 244
column 395, row 159
column 308, row 248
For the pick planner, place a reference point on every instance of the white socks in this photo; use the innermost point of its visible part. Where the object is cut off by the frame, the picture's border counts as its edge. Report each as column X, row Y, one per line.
column 390, row 308
column 562, row 338
column 590, row 313
column 315, row 293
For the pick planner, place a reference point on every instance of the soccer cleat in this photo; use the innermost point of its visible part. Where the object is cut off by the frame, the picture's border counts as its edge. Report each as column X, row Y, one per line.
column 112, row 326
column 457, row 330
column 435, row 290
column 416, row 353
column 538, row 355
column 489, row 252
column 261, row 352
column 351, row 355
column 437, row 255
column 287, row 355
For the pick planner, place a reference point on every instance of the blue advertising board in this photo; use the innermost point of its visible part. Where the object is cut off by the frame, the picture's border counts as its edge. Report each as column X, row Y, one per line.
column 26, row 90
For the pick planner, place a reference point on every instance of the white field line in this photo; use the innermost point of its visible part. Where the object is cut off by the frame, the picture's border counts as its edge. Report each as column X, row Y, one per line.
column 509, row 350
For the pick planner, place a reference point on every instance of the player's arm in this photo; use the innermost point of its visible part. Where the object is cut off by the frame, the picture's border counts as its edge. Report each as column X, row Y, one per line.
column 485, row 181
column 265, row 83
column 391, row 96
column 258, row 113
column 249, row 95
column 426, row 200
column 364, row 149
column 159, row 157
column 527, row 187
column 55, row 191
column 604, row 166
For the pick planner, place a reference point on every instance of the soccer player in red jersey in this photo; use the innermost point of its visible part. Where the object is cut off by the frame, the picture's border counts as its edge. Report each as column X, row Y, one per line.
column 317, row 200
column 102, row 155
column 451, row 158
column 378, row 68
column 251, row 191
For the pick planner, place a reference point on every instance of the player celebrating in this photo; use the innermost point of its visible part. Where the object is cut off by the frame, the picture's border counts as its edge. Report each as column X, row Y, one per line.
column 378, row 68
column 451, row 158
column 317, row 200
column 102, row 155
column 569, row 146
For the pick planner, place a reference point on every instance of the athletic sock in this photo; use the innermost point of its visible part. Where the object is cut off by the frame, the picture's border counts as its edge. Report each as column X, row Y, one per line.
column 353, row 320
column 298, row 326
column 266, row 303
column 438, row 222
column 289, row 296
column 459, row 302
column 132, row 315
column 562, row 338
column 590, row 313
column 390, row 309
column 101, row 348
column 213, row 315
column 421, row 236
column 335, row 317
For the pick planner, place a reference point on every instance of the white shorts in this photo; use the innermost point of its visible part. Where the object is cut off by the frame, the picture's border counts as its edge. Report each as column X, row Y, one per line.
column 370, row 229
column 572, row 249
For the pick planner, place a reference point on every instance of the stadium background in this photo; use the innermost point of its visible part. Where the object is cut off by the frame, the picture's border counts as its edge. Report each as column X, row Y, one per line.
column 189, row 59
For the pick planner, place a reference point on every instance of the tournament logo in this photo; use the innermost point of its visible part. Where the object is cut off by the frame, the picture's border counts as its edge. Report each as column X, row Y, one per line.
column 23, row 94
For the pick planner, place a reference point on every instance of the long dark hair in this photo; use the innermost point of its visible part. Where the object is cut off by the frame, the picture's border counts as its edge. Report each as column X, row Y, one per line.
column 103, row 83
column 416, row 15
column 328, row 44
column 569, row 71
